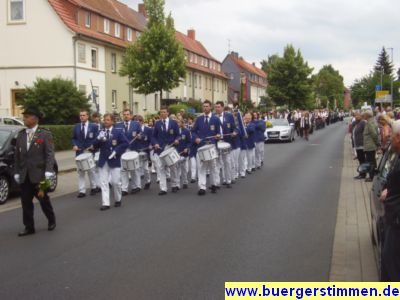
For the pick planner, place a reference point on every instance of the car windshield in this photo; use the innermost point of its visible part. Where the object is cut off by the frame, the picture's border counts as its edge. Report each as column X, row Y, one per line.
column 280, row 122
column 4, row 135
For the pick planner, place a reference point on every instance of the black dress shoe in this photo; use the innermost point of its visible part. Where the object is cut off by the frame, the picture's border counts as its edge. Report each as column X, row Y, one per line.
column 104, row 207
column 233, row 181
column 214, row 189
column 193, row 181
column 117, row 204
column 185, row 186
column 81, row 195
column 359, row 177
column 93, row 192
column 201, row 192
column 51, row 226
column 368, row 180
column 162, row 193
column 98, row 190
column 147, row 186
column 224, row 183
column 174, row 189
column 228, row 186
column 26, row 232
column 135, row 191
column 242, row 176
column 124, row 193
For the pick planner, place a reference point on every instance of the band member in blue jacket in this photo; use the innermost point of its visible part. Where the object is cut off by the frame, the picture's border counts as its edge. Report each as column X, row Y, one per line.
column 132, row 131
column 259, row 138
column 112, row 143
column 145, row 147
column 229, row 132
column 206, row 130
column 83, row 136
column 183, row 150
column 249, row 140
column 166, row 133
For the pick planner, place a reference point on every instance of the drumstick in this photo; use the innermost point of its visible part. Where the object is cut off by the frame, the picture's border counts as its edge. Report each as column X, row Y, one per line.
column 135, row 138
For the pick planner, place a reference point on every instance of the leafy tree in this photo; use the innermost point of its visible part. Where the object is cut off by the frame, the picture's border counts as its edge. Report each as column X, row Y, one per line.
column 398, row 74
column 58, row 99
column 156, row 61
column 289, row 81
column 384, row 63
column 329, row 87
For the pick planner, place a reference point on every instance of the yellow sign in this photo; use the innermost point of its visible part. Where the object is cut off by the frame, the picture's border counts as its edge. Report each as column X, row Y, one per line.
column 381, row 94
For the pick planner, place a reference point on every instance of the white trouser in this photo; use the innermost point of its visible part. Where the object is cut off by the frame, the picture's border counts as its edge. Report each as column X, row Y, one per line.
column 162, row 171
column 202, row 167
column 126, row 176
column 259, row 154
column 145, row 170
column 82, row 183
column 107, row 173
column 97, row 177
column 135, row 179
column 225, row 163
column 183, row 171
column 193, row 168
column 250, row 159
column 243, row 162
column 235, row 156
column 153, row 164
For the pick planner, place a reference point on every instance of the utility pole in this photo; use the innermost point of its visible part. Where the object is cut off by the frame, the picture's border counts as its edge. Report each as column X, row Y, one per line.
column 391, row 78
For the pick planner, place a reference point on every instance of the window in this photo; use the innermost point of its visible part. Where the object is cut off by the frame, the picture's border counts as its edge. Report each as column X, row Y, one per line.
column 190, row 79
column 206, row 82
column 117, row 30
column 114, row 99
column 94, row 58
column 113, row 62
column 88, row 20
column 195, row 58
column 195, row 81
column 81, row 53
column 106, row 26
column 200, row 81
column 16, row 13
column 217, row 85
column 129, row 34
column 191, row 57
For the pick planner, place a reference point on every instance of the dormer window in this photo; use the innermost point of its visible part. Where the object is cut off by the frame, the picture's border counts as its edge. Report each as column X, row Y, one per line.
column 16, row 11
column 129, row 34
column 106, row 26
column 88, row 20
column 117, row 30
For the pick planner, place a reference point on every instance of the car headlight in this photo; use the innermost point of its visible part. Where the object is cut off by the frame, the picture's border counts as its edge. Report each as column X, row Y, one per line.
column 285, row 131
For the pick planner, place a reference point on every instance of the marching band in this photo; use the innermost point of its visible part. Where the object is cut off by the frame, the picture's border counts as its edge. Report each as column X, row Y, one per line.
column 220, row 145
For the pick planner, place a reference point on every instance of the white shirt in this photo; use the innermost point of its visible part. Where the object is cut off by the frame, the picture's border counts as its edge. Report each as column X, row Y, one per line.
column 30, row 133
column 166, row 123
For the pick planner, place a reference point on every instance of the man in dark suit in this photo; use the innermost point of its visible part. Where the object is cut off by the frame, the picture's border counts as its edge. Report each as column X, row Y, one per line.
column 34, row 162
column 207, row 130
column 83, row 137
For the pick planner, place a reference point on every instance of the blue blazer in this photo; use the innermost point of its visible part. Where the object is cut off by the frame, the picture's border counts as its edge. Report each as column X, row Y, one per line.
column 228, row 127
column 88, row 140
column 162, row 137
column 249, row 140
column 260, row 130
column 145, row 141
column 201, row 131
column 184, row 140
column 117, row 142
column 133, row 130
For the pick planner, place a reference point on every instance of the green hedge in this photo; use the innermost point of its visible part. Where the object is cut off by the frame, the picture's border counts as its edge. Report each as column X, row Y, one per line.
column 62, row 135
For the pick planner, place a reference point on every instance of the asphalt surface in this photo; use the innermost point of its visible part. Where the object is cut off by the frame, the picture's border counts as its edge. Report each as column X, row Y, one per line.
column 275, row 225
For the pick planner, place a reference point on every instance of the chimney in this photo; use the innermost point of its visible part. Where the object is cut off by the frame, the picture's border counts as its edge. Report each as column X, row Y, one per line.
column 191, row 34
column 235, row 54
column 254, row 64
column 142, row 9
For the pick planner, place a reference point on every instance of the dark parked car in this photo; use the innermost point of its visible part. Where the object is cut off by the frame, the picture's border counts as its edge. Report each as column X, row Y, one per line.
column 8, row 185
column 377, row 209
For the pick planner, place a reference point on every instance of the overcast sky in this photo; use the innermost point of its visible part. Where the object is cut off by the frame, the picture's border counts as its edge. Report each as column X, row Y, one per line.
column 347, row 34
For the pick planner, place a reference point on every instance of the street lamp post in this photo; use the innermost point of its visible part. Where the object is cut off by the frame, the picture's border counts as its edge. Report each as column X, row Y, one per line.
column 391, row 78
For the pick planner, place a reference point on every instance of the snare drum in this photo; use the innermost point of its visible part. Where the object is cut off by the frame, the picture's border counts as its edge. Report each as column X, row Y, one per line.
column 130, row 161
column 224, row 147
column 170, row 157
column 85, row 162
column 207, row 152
column 143, row 156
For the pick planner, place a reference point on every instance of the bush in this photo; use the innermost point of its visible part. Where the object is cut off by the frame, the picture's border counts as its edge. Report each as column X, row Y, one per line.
column 62, row 135
column 173, row 109
column 196, row 104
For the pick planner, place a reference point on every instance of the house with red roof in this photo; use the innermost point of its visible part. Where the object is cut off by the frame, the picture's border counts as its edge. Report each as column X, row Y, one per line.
column 244, row 74
column 84, row 41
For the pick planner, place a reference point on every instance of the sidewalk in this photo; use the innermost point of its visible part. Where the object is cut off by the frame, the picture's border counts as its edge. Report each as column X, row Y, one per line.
column 353, row 257
column 66, row 161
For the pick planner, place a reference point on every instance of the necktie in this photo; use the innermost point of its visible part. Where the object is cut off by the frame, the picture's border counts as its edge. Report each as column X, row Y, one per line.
column 108, row 134
column 164, row 125
column 126, row 126
column 83, row 130
column 206, row 121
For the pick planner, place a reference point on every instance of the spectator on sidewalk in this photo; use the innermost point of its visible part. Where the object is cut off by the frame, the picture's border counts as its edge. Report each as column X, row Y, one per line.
column 385, row 131
column 358, row 140
column 390, row 270
column 371, row 142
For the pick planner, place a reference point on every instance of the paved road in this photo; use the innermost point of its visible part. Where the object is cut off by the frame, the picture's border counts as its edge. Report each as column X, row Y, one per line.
column 276, row 225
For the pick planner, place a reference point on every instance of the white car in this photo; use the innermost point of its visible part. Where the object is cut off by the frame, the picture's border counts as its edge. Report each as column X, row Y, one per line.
column 281, row 130
column 11, row 121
